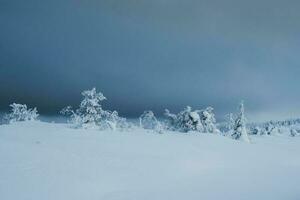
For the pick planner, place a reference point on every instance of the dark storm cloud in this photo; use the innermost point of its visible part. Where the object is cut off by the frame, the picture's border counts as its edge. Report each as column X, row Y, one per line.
column 151, row 54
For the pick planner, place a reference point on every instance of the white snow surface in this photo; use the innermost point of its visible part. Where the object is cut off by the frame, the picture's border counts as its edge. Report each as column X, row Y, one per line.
column 47, row 161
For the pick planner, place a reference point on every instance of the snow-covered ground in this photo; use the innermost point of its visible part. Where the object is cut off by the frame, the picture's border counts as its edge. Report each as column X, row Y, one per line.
column 47, row 161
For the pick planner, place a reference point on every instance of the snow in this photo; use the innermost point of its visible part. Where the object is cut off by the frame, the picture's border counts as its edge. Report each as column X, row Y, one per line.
column 50, row 161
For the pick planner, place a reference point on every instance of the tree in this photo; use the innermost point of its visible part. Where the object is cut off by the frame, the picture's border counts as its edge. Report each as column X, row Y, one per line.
column 239, row 130
column 20, row 112
column 149, row 121
column 208, row 120
column 90, row 108
column 293, row 132
column 270, row 128
column 91, row 115
column 230, row 121
column 256, row 131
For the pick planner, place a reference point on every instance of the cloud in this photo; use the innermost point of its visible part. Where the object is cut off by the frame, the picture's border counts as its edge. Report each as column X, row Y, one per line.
column 151, row 54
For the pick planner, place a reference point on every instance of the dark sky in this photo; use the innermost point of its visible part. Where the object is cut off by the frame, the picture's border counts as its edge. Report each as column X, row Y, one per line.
column 152, row 54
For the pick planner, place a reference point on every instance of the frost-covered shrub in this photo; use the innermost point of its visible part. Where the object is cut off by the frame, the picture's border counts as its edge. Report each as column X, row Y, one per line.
column 149, row 121
column 112, row 120
column 239, row 130
column 20, row 112
column 91, row 115
column 185, row 121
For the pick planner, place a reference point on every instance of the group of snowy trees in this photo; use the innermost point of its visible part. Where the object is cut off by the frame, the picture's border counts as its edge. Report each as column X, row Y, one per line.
column 90, row 114
column 275, row 127
column 189, row 120
column 197, row 120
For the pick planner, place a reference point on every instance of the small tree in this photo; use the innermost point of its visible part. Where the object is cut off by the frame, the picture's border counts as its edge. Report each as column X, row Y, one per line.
column 90, row 108
column 208, row 120
column 20, row 112
column 149, row 121
column 269, row 128
column 230, row 121
column 91, row 115
column 293, row 132
column 256, row 131
column 239, row 130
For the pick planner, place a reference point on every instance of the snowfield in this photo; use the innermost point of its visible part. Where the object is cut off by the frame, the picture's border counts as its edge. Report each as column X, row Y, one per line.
column 47, row 161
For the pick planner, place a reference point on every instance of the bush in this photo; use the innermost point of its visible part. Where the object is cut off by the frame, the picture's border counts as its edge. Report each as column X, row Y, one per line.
column 20, row 112
column 149, row 121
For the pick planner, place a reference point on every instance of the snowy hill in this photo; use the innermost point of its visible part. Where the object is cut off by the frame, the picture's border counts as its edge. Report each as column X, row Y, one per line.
column 47, row 161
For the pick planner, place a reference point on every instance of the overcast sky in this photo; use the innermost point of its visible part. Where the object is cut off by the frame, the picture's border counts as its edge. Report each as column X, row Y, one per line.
column 154, row 54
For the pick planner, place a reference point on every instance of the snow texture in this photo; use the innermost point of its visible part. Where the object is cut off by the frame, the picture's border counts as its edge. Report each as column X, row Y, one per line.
column 49, row 161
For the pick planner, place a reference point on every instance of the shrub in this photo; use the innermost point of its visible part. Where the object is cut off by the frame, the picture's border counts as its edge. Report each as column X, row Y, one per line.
column 20, row 112
column 149, row 121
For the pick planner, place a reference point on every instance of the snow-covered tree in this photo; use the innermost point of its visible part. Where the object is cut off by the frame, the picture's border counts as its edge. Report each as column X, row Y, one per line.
column 230, row 121
column 208, row 120
column 293, row 132
column 20, row 112
column 185, row 121
column 149, row 121
column 91, row 115
column 256, row 131
column 239, row 129
column 90, row 108
column 274, row 127
column 269, row 128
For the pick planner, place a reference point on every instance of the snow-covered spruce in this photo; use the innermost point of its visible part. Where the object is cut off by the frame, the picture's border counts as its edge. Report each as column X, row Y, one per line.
column 189, row 120
column 149, row 121
column 20, row 112
column 91, row 115
column 239, row 130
